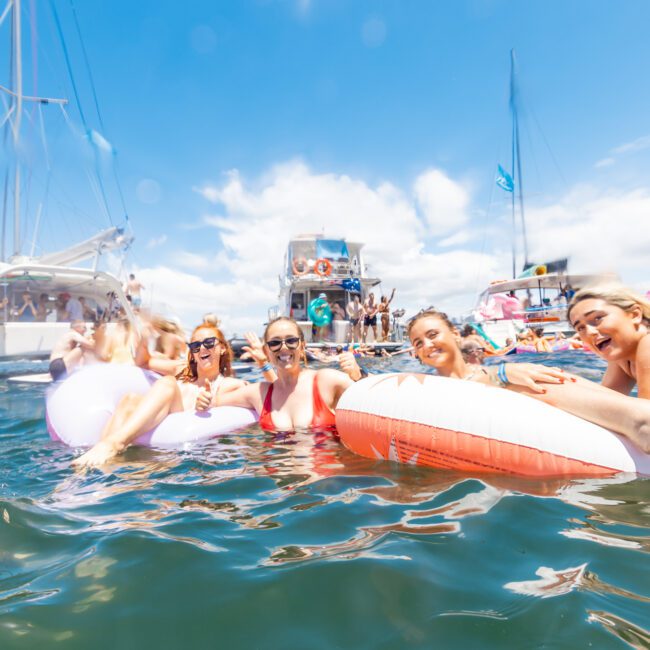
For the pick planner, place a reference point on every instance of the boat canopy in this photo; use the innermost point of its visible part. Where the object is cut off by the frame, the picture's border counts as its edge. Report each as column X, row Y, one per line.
column 549, row 281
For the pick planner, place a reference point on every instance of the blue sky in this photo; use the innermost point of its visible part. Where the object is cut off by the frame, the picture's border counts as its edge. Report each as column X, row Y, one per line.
column 393, row 114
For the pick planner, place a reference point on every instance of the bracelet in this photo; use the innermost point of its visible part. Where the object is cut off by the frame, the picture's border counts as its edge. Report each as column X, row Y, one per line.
column 266, row 367
column 501, row 373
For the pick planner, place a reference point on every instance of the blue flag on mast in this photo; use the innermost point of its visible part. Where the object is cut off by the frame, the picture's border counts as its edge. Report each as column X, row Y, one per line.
column 504, row 180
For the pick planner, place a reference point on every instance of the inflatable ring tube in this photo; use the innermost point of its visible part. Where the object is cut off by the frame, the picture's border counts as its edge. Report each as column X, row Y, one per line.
column 325, row 263
column 78, row 408
column 300, row 266
column 319, row 312
column 425, row 420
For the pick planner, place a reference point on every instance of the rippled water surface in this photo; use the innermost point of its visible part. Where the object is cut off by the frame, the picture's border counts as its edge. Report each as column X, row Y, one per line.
column 257, row 542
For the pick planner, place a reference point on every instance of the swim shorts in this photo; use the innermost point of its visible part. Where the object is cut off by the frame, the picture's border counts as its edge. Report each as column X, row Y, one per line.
column 370, row 322
column 58, row 369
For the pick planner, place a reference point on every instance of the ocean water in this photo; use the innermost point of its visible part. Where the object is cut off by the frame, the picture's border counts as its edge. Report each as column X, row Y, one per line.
column 256, row 541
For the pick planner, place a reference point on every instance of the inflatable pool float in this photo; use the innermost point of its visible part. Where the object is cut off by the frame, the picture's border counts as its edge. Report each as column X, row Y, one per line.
column 462, row 425
column 556, row 346
column 77, row 409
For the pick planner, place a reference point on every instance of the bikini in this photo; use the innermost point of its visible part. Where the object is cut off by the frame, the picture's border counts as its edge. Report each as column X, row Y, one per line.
column 323, row 418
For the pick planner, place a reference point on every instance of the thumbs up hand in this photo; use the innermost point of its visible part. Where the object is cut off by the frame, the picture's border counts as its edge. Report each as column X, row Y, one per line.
column 204, row 397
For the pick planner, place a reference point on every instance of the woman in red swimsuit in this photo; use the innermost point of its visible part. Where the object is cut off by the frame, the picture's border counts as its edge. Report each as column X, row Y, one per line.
column 300, row 398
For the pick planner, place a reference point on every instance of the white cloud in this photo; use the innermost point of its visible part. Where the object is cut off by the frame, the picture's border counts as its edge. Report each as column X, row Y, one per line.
column 600, row 230
column 636, row 145
column 640, row 144
column 258, row 219
column 443, row 202
column 154, row 242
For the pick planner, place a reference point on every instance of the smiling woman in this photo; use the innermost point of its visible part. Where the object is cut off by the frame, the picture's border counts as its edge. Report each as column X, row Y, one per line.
column 299, row 398
column 614, row 322
column 436, row 343
column 206, row 375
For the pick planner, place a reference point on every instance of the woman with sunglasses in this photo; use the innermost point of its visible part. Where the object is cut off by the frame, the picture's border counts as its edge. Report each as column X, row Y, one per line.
column 207, row 373
column 436, row 343
column 300, row 398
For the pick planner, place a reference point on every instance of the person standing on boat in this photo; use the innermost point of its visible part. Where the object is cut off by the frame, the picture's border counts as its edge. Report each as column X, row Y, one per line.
column 355, row 314
column 370, row 317
column 384, row 310
column 69, row 350
column 133, row 288
column 27, row 311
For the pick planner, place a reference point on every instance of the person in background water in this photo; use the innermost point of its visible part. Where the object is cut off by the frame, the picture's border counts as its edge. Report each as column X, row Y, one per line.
column 436, row 344
column 540, row 342
column 133, row 288
column 211, row 319
column 384, row 310
column 614, row 322
column 69, row 350
column 370, row 317
column 355, row 314
column 473, row 354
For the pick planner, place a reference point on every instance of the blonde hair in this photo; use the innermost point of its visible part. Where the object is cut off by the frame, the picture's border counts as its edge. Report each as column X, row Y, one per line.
column 189, row 373
column 613, row 294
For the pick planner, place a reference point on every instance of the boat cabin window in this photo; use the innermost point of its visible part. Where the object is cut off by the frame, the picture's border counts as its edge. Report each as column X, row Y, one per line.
column 298, row 310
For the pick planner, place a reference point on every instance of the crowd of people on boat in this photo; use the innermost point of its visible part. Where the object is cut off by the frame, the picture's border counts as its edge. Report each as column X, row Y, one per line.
column 610, row 321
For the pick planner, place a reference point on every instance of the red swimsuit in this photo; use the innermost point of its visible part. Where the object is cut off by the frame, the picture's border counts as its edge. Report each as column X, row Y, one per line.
column 323, row 418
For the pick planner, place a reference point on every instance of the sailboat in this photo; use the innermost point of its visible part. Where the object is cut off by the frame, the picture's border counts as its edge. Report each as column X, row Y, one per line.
column 34, row 289
column 538, row 294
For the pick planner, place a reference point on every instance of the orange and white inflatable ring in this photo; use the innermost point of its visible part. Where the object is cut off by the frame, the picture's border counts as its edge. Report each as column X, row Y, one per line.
column 300, row 266
column 323, row 267
column 462, row 425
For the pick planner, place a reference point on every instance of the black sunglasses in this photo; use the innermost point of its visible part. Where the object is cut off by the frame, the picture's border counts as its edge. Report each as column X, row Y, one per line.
column 208, row 344
column 291, row 342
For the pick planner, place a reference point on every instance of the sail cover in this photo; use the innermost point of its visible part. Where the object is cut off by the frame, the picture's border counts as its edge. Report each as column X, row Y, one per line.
column 331, row 249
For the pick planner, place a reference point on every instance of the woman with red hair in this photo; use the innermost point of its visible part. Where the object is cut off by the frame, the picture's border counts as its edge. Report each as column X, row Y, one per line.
column 208, row 372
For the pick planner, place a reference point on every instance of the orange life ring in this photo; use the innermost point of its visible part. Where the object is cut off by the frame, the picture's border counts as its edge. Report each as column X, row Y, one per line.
column 326, row 264
column 300, row 266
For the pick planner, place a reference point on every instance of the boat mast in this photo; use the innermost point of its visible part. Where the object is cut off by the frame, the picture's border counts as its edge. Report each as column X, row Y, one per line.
column 516, row 162
column 16, row 107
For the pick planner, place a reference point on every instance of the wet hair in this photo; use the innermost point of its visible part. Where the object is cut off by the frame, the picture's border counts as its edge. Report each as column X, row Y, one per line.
column 613, row 294
column 467, row 330
column 299, row 331
column 429, row 313
column 190, row 374
column 539, row 331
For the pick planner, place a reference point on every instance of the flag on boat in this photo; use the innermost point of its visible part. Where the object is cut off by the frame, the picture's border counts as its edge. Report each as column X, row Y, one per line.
column 504, row 180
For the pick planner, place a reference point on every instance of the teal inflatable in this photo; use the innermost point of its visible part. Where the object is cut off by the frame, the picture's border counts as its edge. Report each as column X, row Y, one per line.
column 319, row 312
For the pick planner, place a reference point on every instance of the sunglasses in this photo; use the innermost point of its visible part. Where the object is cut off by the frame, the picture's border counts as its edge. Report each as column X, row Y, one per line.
column 291, row 342
column 208, row 344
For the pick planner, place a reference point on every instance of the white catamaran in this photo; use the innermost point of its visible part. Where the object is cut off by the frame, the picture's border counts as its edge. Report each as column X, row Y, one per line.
column 538, row 295
column 34, row 289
